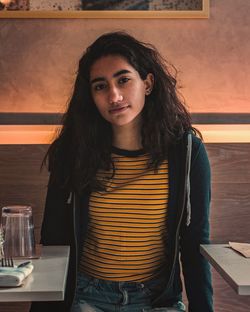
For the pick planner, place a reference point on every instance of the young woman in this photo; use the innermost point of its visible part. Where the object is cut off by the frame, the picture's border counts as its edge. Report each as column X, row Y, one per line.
column 129, row 187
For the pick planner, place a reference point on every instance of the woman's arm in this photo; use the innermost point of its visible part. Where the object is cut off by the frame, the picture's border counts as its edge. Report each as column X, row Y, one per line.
column 56, row 217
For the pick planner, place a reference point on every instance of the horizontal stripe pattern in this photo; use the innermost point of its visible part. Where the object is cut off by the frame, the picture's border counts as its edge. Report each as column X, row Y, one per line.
column 127, row 227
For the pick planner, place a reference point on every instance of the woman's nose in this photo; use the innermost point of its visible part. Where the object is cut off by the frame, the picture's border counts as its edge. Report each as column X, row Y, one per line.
column 115, row 95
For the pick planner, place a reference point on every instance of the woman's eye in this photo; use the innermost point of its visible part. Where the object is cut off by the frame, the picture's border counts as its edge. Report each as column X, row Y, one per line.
column 123, row 80
column 99, row 86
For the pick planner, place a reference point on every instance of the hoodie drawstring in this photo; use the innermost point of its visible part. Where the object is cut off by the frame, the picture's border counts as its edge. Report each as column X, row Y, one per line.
column 69, row 200
column 189, row 153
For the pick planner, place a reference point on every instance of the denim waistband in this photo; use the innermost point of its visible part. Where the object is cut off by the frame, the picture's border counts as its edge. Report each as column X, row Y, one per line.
column 129, row 285
column 113, row 296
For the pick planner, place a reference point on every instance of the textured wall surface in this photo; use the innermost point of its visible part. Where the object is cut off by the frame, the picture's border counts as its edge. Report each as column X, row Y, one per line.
column 38, row 57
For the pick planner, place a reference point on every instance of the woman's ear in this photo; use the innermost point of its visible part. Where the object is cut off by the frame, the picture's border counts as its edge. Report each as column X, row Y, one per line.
column 149, row 83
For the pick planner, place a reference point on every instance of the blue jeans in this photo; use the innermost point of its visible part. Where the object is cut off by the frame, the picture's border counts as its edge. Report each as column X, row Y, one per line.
column 95, row 295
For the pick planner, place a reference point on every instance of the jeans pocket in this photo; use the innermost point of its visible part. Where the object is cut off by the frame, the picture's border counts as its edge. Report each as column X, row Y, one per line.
column 177, row 307
column 83, row 283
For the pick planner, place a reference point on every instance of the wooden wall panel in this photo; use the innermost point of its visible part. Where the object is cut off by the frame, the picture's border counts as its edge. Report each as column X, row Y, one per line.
column 225, row 298
column 230, row 207
column 229, row 162
column 14, row 307
column 230, row 212
column 22, row 182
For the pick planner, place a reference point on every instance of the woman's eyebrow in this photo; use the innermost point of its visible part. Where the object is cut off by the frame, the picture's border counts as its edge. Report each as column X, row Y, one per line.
column 120, row 72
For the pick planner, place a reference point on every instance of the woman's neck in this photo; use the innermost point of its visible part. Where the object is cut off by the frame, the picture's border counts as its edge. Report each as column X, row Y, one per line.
column 127, row 138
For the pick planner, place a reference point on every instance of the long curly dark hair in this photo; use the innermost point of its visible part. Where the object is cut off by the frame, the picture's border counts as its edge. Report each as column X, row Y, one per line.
column 84, row 144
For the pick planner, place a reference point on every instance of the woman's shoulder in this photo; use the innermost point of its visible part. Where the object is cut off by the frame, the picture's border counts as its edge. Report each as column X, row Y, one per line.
column 196, row 139
column 197, row 145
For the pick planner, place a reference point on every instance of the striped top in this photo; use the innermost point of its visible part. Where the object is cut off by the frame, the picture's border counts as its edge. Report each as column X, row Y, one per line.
column 127, row 226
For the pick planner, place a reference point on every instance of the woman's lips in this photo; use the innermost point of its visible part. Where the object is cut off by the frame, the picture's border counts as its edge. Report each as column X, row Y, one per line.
column 117, row 110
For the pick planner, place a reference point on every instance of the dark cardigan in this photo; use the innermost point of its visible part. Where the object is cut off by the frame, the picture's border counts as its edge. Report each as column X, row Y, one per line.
column 66, row 219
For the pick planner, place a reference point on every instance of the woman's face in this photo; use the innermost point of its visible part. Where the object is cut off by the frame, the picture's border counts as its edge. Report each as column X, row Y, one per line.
column 118, row 90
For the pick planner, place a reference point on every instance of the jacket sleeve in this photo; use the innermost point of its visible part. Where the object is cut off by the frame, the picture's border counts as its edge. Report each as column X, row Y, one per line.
column 56, row 217
column 56, row 229
column 196, row 269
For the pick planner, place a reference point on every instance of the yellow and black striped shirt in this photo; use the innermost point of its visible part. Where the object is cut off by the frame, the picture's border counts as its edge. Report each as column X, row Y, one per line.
column 127, row 227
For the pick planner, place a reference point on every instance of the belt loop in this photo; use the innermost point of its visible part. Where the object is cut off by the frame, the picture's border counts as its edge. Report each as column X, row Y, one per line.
column 124, row 294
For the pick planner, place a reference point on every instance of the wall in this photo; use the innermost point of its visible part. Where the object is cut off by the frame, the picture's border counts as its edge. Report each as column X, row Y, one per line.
column 39, row 57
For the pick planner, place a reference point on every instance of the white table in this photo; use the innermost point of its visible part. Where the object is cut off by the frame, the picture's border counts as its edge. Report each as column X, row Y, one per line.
column 46, row 282
column 231, row 265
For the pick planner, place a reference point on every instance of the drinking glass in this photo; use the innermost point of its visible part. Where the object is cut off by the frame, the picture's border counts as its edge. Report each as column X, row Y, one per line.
column 18, row 231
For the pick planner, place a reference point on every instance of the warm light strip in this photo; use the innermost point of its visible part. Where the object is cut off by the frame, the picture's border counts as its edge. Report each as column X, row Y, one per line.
column 225, row 133
column 27, row 134
column 44, row 134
